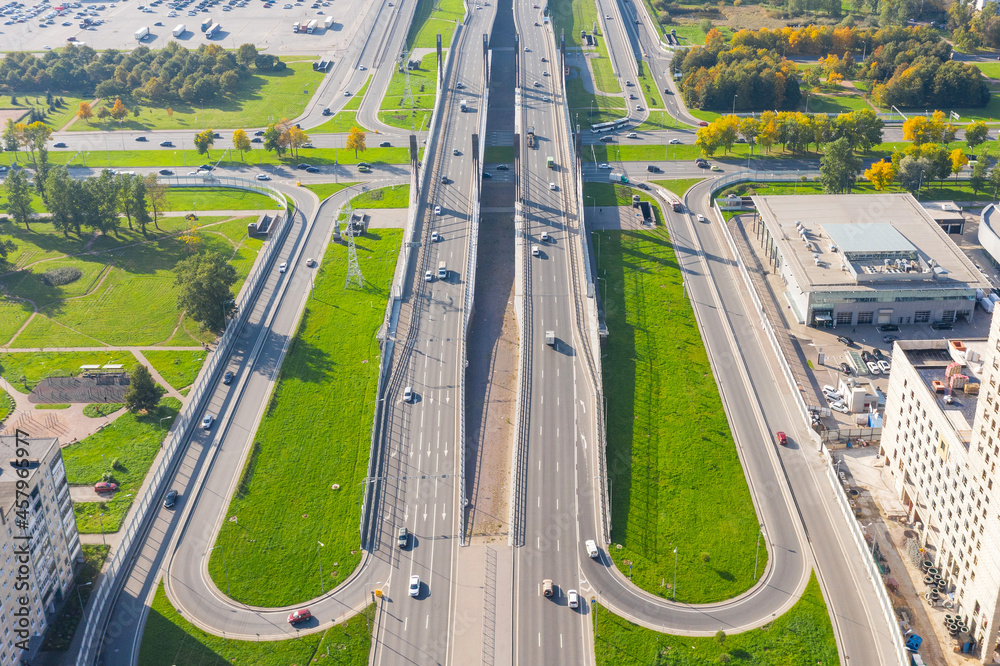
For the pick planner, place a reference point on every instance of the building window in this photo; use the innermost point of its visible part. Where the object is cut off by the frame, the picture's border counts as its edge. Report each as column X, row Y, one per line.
column 921, row 317
column 865, row 317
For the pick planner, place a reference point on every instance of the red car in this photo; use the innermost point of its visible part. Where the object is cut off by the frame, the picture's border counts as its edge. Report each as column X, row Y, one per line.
column 703, row 124
column 105, row 487
column 782, row 438
column 300, row 616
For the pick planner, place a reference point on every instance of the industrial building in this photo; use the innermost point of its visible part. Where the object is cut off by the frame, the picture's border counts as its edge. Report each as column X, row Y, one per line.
column 852, row 260
column 941, row 446
column 39, row 543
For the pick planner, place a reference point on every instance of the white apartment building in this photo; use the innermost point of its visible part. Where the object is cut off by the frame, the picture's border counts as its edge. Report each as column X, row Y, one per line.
column 941, row 442
column 38, row 542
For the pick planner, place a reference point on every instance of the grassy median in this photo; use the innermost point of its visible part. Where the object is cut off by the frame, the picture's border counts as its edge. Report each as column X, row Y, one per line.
column 676, row 481
column 170, row 639
column 313, row 445
column 803, row 636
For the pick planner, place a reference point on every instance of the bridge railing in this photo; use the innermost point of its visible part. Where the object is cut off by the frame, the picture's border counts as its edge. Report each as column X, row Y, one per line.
column 101, row 601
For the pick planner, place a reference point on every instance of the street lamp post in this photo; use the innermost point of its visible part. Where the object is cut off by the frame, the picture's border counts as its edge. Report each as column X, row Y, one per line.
column 224, row 567
column 319, row 557
column 100, row 518
column 80, row 598
column 734, row 104
column 674, row 589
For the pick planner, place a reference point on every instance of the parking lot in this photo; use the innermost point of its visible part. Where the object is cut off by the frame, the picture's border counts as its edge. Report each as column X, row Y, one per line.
column 46, row 25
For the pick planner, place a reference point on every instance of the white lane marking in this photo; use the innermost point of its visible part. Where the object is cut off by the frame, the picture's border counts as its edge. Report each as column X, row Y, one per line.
column 539, row 639
column 557, row 504
column 406, row 621
column 557, row 401
column 538, row 543
column 539, row 501
column 557, row 545
column 557, row 433
column 542, row 400
column 427, row 623
column 560, row 641
column 557, row 467
column 425, row 511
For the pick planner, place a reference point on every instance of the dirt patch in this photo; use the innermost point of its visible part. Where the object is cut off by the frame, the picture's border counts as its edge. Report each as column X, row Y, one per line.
column 57, row 390
column 11, row 114
column 491, row 379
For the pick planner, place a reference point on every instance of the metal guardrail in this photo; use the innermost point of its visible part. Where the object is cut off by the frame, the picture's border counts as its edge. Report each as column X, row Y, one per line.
column 118, row 563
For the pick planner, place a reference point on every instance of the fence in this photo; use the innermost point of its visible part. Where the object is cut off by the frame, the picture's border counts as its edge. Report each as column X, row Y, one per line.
column 120, row 559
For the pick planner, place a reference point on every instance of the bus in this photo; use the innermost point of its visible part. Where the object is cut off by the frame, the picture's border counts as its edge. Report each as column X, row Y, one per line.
column 607, row 127
column 550, row 162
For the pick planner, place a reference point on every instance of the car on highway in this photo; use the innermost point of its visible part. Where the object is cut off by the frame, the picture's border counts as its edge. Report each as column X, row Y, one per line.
column 437, row 210
column 782, row 438
column 487, row 174
column 227, row 378
column 428, row 276
column 701, row 218
column 59, row 144
column 384, row 144
column 403, row 537
column 166, row 144
column 552, row 186
column 414, row 585
column 206, row 422
column 674, row 142
column 547, row 588
column 300, row 615
column 105, row 487
column 716, row 167
column 545, row 73
column 456, row 152
column 592, row 551
column 631, row 135
column 546, row 237
column 503, row 167
column 165, row 172
column 302, row 166
column 259, row 133
column 206, row 167
column 171, row 499
column 435, row 237
column 408, row 394
column 444, row 179
column 460, row 86
column 282, row 267
column 312, row 169
column 572, row 599
column 347, row 93
column 604, row 165
column 141, row 139
column 607, row 16
column 310, row 262
column 362, row 68
column 263, row 176
column 844, row 340
column 535, row 251
column 702, row 124
column 256, row 139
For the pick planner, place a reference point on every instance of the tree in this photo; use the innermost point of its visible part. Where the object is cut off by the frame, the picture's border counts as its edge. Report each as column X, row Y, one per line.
column 749, row 129
column 143, row 393
column 118, row 111
column 123, row 190
column 6, row 246
column 34, row 137
column 707, row 138
column 85, row 112
column 205, row 281
column 272, row 141
column 157, row 195
column 18, row 197
column 917, row 130
column 246, row 54
column 727, row 128
column 839, row 167
column 881, row 174
column 958, row 161
column 100, row 211
column 296, row 139
column 976, row 133
column 203, row 141
column 978, row 176
column 63, row 199
column 103, row 113
column 912, row 171
column 241, row 141
column 995, row 179
column 138, row 204
column 356, row 140
column 10, row 137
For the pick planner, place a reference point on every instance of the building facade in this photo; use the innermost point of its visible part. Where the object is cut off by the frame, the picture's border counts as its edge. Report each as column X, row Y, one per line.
column 941, row 442
column 39, row 543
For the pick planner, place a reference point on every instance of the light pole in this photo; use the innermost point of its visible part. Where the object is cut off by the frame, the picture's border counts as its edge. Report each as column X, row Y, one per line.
column 80, row 598
column 319, row 557
column 674, row 589
column 734, row 104
column 100, row 517
column 224, row 567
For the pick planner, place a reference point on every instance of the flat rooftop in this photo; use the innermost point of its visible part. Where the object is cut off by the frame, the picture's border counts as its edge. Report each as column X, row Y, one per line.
column 38, row 448
column 930, row 359
column 859, row 242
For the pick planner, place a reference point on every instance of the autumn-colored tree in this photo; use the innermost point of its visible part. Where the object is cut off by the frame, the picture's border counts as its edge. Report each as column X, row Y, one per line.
column 976, row 133
column 103, row 113
column 85, row 112
column 881, row 174
column 241, row 142
column 203, row 141
column 296, row 139
column 170, row 112
column 356, row 140
column 191, row 239
column 118, row 111
column 916, row 130
column 958, row 161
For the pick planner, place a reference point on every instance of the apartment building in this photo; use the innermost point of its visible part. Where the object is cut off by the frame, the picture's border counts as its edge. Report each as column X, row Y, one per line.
column 39, row 544
column 941, row 442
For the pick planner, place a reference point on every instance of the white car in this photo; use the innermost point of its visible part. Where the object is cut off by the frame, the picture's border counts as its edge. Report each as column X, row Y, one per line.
column 408, row 394
column 546, row 99
column 552, row 186
column 428, row 276
column 282, row 267
column 572, row 599
column 604, row 166
column 833, row 397
column 206, row 422
column 263, row 176
column 534, row 250
column 873, row 368
column 414, row 585
column 347, row 93
column 310, row 262
column 435, row 237
column 701, row 218
column 437, row 210
column 674, row 142
column 631, row 135
column 840, row 407
column 829, row 389
column 884, row 367
column 545, row 237
column 537, row 84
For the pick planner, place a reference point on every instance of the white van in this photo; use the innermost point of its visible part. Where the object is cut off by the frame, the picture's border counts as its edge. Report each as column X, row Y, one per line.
column 592, row 551
column 442, row 271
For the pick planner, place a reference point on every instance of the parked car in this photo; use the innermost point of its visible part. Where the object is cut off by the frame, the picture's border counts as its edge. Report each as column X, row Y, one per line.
column 105, row 487
column 873, row 368
column 170, row 500
column 884, row 367
column 844, row 340
column 300, row 615
column 888, row 328
column 845, row 368
column 206, row 167
column 840, row 407
column 879, row 356
column 942, row 326
column 414, row 585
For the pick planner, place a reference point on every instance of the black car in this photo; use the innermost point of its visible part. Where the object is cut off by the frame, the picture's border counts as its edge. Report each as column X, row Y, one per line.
column 652, row 168
column 487, row 174
column 312, row 169
column 879, row 355
column 227, row 378
column 384, row 144
column 844, row 368
column 171, row 499
column 702, row 165
column 217, row 135
column 166, row 144
column 369, row 166
column 256, row 139
column 166, row 172
column 503, row 167
column 867, row 357
column 303, row 166
column 942, row 326
column 259, row 133
column 59, row 145
column 206, row 167
column 888, row 328
column 141, row 138
column 844, row 340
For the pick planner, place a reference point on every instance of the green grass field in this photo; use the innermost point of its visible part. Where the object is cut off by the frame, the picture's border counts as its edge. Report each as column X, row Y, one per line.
column 55, row 119
column 63, row 405
column 610, row 194
column 6, row 405
column 321, row 410
column 13, row 314
column 133, row 440
column 100, row 409
column 263, row 98
column 183, row 162
column 137, row 279
column 679, row 185
column 36, row 366
column 801, row 636
column 37, row 204
column 324, row 190
column 427, row 23
column 394, row 196
column 60, row 632
column 395, row 112
column 347, row 117
column 990, row 69
column 170, row 639
column 936, row 191
column 676, row 479
column 188, row 199
column 587, row 109
column 836, row 103
column 691, row 34
column 178, row 368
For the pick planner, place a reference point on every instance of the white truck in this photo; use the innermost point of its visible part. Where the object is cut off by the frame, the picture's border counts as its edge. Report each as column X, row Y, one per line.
column 212, row 30
column 463, row 105
column 179, row 30
column 311, row 26
column 205, row 24
column 327, row 22
column 141, row 34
